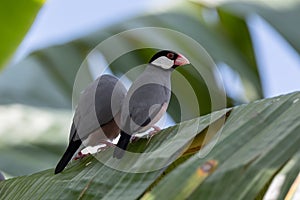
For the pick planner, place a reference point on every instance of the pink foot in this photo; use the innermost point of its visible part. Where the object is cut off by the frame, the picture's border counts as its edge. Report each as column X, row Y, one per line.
column 155, row 130
column 133, row 139
column 80, row 155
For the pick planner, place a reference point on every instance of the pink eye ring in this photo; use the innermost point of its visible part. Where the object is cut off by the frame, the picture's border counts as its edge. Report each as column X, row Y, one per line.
column 170, row 55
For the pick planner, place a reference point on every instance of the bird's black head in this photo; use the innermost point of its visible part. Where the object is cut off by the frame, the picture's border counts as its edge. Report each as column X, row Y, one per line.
column 168, row 59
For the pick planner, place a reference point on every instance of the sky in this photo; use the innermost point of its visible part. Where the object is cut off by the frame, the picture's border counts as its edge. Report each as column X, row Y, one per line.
column 278, row 61
column 63, row 20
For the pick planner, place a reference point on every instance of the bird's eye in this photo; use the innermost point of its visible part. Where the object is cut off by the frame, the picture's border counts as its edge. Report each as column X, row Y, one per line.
column 170, row 55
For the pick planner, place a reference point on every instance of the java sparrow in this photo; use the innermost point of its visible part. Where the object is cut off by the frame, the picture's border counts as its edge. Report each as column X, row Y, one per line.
column 96, row 117
column 148, row 97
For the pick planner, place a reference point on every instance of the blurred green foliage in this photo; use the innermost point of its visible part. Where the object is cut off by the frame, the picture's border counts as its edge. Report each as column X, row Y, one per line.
column 16, row 18
column 46, row 81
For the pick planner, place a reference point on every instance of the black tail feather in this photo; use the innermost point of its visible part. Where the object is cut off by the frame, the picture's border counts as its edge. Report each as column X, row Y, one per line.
column 122, row 145
column 72, row 148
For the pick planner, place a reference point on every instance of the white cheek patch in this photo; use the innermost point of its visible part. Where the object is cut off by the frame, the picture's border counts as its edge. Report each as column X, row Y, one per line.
column 163, row 62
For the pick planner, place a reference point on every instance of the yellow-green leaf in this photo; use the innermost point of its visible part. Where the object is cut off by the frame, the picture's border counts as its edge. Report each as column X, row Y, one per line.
column 16, row 17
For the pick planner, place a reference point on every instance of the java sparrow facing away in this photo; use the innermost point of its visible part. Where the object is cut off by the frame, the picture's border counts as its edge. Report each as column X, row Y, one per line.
column 96, row 117
column 148, row 97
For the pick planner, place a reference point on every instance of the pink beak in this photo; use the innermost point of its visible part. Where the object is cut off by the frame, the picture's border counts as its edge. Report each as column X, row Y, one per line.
column 181, row 60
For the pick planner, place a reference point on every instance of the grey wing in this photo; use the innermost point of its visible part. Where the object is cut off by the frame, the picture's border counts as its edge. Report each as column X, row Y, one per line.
column 98, row 104
column 109, row 98
column 72, row 135
column 146, row 102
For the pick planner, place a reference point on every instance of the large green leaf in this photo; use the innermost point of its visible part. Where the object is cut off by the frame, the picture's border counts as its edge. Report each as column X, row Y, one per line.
column 258, row 141
column 285, row 178
column 16, row 18
column 86, row 183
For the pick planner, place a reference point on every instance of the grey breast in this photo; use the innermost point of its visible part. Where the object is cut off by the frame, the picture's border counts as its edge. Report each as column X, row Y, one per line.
column 145, row 98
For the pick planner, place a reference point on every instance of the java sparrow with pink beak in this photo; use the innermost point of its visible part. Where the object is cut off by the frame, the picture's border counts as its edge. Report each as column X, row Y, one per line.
column 96, row 117
column 148, row 97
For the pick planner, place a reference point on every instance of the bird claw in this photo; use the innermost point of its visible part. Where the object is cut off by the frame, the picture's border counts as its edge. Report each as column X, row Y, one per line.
column 155, row 130
column 133, row 139
column 107, row 145
column 80, row 155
